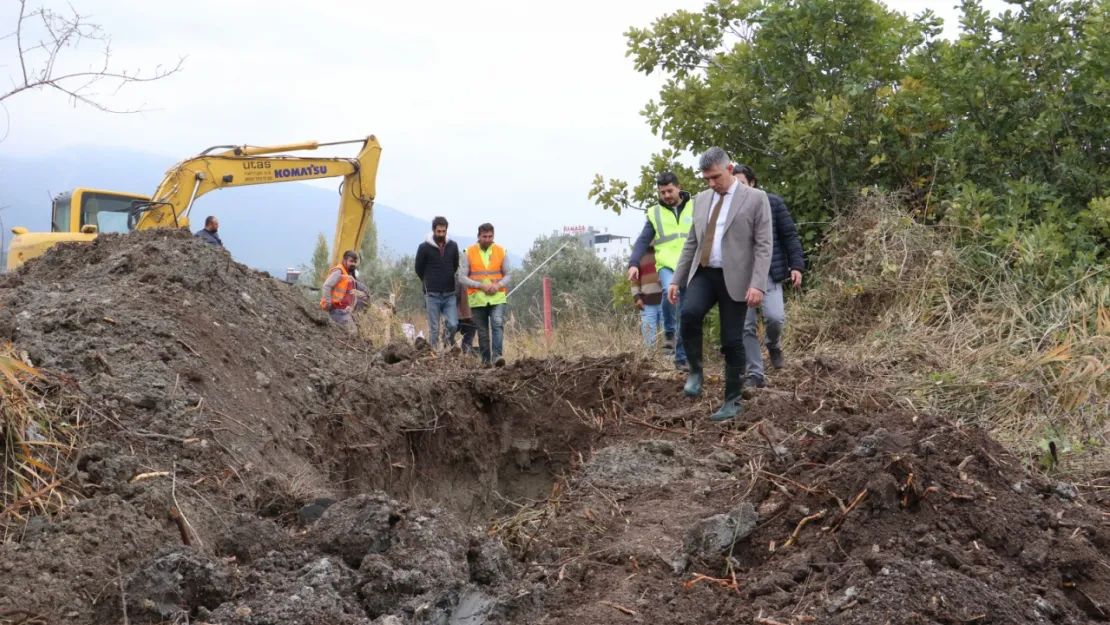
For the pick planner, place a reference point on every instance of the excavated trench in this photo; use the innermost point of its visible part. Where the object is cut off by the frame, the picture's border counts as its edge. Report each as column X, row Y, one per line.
column 473, row 444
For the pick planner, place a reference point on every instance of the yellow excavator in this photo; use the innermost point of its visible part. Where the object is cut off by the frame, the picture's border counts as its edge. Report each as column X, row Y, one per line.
column 82, row 213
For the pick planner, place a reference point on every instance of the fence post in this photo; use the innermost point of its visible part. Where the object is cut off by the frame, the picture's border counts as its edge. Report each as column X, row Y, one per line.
column 547, row 308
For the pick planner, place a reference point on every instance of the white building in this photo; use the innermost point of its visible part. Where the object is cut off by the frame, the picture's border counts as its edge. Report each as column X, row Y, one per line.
column 604, row 245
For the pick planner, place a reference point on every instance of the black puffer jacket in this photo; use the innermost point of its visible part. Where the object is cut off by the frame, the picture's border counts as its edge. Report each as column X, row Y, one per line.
column 787, row 250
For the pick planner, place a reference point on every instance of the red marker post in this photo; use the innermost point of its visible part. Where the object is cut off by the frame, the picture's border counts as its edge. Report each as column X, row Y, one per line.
column 547, row 308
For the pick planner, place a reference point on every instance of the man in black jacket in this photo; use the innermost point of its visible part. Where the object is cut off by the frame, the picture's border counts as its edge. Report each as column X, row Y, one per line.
column 787, row 264
column 437, row 260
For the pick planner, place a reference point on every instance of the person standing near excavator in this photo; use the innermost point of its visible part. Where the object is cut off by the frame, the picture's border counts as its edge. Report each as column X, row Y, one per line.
column 210, row 233
column 337, row 293
column 484, row 271
column 437, row 264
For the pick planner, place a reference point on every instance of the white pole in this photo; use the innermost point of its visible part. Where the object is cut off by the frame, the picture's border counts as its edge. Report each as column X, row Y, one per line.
column 538, row 268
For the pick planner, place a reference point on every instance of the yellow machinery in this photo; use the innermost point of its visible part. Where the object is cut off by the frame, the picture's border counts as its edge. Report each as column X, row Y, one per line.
column 82, row 213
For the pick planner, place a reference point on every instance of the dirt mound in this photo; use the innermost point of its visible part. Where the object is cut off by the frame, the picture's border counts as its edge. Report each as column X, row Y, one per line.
column 242, row 461
column 814, row 510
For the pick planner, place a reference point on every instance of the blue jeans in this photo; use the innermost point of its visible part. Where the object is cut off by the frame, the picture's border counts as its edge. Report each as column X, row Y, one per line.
column 774, row 318
column 447, row 307
column 490, row 320
column 673, row 314
column 651, row 317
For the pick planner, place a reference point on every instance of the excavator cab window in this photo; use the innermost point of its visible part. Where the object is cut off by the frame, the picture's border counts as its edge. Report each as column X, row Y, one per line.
column 60, row 219
column 106, row 211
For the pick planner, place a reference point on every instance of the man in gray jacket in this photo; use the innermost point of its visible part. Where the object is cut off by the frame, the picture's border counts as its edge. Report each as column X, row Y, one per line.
column 725, row 261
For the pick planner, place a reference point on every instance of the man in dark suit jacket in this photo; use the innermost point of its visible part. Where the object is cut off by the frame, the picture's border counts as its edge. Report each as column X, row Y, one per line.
column 725, row 261
column 787, row 264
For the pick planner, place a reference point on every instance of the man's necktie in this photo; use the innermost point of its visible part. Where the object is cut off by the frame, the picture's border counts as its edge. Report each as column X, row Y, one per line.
column 710, row 231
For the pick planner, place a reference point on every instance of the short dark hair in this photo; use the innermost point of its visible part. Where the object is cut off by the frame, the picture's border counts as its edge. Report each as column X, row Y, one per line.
column 666, row 178
column 748, row 173
column 439, row 221
column 486, row 227
column 350, row 255
column 209, row 219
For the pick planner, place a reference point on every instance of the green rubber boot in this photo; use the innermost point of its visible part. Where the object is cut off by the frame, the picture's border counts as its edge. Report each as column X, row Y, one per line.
column 694, row 377
column 734, row 388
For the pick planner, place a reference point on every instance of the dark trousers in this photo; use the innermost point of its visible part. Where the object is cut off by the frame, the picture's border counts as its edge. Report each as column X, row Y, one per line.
column 706, row 289
column 467, row 329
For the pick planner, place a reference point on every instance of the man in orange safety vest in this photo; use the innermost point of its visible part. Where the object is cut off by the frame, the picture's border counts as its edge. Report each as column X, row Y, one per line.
column 337, row 295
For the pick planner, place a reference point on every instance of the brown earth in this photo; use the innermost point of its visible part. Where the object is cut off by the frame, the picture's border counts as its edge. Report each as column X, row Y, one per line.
column 244, row 462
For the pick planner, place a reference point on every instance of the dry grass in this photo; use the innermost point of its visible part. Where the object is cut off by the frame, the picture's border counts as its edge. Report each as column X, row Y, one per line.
column 37, row 439
column 576, row 336
column 951, row 329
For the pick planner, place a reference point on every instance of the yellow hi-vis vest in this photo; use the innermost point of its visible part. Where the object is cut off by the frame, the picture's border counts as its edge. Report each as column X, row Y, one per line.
column 485, row 267
column 670, row 233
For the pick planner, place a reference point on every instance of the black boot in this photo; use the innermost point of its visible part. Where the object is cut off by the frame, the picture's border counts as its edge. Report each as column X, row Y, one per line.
column 734, row 388
column 694, row 377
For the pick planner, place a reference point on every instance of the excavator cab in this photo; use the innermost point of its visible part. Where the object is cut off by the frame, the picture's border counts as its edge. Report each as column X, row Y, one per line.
column 77, row 215
column 107, row 211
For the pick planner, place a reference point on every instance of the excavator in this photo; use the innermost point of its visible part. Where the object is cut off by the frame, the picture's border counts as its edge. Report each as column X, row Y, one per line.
column 81, row 214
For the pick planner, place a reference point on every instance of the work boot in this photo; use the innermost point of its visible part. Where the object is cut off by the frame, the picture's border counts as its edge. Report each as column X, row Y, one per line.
column 499, row 362
column 668, row 343
column 694, row 375
column 734, row 387
column 776, row 357
column 682, row 366
column 755, row 380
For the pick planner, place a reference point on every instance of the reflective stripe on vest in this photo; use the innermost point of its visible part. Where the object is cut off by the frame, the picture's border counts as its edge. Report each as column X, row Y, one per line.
column 485, row 273
column 341, row 291
column 670, row 233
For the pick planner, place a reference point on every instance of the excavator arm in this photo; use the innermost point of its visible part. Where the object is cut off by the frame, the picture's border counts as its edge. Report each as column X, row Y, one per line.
column 171, row 203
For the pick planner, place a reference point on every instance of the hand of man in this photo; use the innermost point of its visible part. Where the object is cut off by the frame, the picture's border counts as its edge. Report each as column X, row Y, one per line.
column 490, row 289
column 755, row 297
column 633, row 274
column 672, row 293
column 639, row 304
column 795, row 278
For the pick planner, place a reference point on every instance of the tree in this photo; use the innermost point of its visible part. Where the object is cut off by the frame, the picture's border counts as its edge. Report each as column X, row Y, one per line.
column 368, row 251
column 41, row 37
column 321, row 258
column 1001, row 131
column 580, row 281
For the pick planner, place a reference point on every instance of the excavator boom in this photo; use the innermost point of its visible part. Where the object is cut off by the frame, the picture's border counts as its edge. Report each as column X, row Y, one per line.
column 81, row 214
column 249, row 165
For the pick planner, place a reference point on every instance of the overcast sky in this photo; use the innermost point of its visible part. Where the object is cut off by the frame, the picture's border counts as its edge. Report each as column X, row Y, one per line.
column 487, row 110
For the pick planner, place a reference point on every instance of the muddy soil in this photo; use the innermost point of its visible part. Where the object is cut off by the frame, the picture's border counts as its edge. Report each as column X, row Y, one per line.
column 244, row 462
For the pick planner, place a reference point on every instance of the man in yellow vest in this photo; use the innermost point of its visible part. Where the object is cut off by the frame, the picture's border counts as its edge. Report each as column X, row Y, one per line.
column 484, row 272
column 337, row 293
column 668, row 224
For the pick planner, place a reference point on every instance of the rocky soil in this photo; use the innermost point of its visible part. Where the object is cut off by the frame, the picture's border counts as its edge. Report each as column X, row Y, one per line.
column 241, row 461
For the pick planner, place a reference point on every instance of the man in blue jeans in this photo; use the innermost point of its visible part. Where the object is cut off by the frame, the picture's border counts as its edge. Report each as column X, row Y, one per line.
column 668, row 224
column 485, row 274
column 437, row 261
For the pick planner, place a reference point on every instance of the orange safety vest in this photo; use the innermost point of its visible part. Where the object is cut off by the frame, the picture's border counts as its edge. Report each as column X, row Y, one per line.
column 341, row 292
column 478, row 269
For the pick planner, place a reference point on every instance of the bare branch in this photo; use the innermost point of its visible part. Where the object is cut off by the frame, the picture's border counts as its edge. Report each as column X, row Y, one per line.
column 39, row 62
column 19, row 37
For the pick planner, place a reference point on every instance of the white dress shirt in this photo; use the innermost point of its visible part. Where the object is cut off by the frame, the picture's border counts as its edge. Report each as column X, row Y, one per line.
column 719, row 231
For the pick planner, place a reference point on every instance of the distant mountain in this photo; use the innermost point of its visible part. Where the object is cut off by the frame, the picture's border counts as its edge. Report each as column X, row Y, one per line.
column 267, row 227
